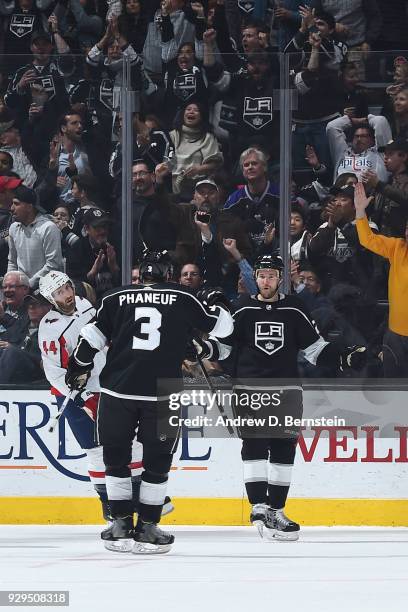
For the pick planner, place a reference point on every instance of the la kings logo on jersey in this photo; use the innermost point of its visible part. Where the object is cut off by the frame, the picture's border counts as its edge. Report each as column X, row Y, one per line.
column 21, row 25
column 106, row 93
column 269, row 336
column 47, row 83
column 258, row 112
column 246, row 5
column 185, row 85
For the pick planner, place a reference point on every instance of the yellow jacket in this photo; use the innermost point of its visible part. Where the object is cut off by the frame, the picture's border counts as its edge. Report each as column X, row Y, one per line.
column 396, row 251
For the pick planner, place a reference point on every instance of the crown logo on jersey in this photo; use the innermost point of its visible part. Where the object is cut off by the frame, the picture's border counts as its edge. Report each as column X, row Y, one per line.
column 269, row 336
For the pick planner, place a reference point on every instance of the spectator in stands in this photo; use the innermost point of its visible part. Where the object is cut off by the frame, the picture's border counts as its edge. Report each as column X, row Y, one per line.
column 79, row 22
column 335, row 250
column 84, row 192
column 132, row 24
column 21, row 18
column 308, row 286
column 168, row 22
column 92, row 258
column 246, row 282
column 135, row 275
column 22, row 361
column 21, row 153
column 190, row 276
column 316, row 56
column 34, row 240
column 6, row 163
column 247, row 104
column 185, row 82
column 354, row 102
column 288, row 20
column 399, row 118
column 256, row 203
column 197, row 151
column 62, row 219
column 362, row 152
column 390, row 211
column 13, row 313
column 360, row 22
column 299, row 235
column 395, row 349
column 152, row 224
column 41, row 82
column 7, row 184
column 80, row 154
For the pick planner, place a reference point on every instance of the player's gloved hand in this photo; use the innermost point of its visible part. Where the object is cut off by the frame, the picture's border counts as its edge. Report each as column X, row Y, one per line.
column 77, row 375
column 354, row 358
column 88, row 401
column 213, row 296
column 198, row 347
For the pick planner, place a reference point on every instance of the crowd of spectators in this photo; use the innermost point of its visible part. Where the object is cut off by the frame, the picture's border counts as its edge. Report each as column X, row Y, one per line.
column 205, row 79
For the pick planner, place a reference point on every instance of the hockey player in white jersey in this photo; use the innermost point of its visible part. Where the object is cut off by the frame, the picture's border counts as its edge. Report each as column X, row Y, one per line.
column 57, row 337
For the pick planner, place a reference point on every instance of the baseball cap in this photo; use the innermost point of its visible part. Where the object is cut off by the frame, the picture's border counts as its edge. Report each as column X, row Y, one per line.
column 95, row 217
column 41, row 34
column 24, row 194
column 346, row 190
column 399, row 144
column 9, row 182
column 207, row 181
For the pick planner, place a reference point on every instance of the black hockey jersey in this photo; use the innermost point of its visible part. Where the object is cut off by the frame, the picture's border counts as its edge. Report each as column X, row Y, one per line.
column 267, row 337
column 147, row 329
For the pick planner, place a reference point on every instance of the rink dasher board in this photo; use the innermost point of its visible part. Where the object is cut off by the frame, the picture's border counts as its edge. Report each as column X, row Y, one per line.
column 342, row 476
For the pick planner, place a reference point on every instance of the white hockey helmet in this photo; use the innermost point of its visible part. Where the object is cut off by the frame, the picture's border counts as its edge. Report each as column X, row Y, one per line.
column 51, row 282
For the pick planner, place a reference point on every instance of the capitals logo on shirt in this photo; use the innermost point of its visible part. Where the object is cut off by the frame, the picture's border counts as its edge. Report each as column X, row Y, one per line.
column 185, row 85
column 257, row 112
column 269, row 336
column 21, row 25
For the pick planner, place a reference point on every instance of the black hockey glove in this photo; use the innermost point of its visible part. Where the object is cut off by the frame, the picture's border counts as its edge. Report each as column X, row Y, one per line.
column 213, row 296
column 77, row 375
column 198, row 348
column 353, row 358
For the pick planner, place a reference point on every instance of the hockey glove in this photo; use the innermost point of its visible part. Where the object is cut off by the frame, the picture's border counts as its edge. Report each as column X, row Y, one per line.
column 353, row 358
column 213, row 296
column 77, row 375
column 198, row 348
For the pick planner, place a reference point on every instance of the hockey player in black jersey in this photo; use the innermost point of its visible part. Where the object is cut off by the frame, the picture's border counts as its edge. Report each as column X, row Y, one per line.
column 147, row 328
column 269, row 330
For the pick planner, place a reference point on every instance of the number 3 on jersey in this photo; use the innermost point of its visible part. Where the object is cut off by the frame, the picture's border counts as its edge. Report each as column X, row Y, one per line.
column 150, row 328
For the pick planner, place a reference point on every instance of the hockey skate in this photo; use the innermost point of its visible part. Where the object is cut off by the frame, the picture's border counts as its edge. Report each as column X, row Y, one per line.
column 150, row 540
column 279, row 527
column 118, row 537
column 259, row 516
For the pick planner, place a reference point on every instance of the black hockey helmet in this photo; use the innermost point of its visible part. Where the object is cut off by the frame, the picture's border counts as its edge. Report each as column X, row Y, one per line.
column 154, row 266
column 268, row 262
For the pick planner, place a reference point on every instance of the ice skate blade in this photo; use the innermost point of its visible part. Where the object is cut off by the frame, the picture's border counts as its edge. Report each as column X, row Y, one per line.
column 260, row 527
column 120, row 546
column 145, row 548
column 273, row 535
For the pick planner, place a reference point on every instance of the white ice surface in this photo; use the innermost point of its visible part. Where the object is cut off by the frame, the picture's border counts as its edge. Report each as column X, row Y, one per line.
column 212, row 569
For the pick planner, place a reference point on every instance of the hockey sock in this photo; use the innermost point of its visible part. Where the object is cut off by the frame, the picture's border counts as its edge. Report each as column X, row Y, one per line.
column 152, row 495
column 279, row 479
column 256, row 480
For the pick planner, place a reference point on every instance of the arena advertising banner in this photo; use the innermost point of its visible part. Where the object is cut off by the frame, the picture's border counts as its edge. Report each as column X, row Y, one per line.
column 358, row 449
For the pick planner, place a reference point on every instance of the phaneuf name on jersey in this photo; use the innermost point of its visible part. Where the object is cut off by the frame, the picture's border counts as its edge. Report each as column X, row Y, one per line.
column 141, row 297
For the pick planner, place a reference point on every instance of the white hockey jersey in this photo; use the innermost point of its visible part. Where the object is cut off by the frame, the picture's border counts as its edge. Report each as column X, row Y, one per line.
column 57, row 338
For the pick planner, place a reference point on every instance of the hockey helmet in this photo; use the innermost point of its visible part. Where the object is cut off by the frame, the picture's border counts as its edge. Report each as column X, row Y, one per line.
column 154, row 266
column 268, row 262
column 51, row 282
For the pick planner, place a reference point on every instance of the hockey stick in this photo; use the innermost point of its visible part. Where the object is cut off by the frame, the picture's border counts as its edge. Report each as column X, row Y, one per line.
column 214, row 392
column 71, row 396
